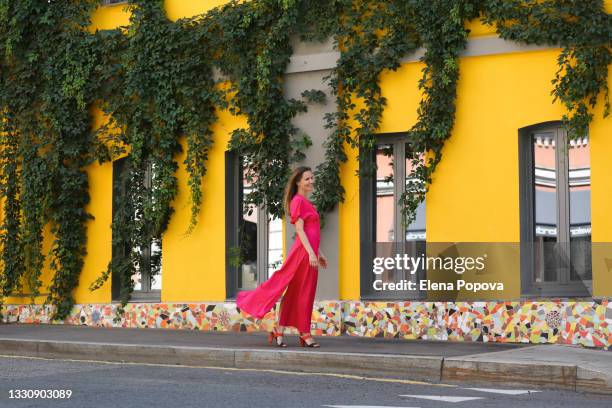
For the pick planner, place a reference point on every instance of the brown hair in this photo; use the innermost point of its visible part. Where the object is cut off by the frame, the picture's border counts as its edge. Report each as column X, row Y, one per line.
column 291, row 187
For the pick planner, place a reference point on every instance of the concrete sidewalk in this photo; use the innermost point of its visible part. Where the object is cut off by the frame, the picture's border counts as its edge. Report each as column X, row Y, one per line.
column 544, row 366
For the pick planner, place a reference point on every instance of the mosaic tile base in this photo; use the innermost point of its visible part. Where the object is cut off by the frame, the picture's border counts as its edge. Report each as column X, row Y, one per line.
column 326, row 316
column 586, row 323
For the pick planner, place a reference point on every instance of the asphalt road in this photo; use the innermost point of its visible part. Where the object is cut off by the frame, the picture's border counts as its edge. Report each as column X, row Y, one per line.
column 94, row 384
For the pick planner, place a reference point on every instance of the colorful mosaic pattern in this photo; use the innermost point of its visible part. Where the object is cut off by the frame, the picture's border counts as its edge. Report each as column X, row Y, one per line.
column 585, row 323
column 326, row 317
column 579, row 322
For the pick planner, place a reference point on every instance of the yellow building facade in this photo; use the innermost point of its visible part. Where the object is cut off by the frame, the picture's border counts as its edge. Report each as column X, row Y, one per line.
column 475, row 197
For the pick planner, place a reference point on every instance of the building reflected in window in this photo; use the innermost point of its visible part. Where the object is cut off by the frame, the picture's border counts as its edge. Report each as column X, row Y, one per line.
column 561, row 177
column 254, row 239
column 580, row 209
column 386, row 234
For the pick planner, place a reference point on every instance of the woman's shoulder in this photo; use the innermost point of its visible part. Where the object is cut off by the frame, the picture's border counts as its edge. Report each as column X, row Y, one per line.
column 295, row 200
column 302, row 202
column 299, row 197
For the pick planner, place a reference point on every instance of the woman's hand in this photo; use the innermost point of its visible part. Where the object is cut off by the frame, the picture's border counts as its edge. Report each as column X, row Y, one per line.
column 322, row 261
column 314, row 262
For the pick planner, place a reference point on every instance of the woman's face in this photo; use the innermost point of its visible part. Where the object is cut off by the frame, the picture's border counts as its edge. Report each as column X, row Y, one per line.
column 306, row 183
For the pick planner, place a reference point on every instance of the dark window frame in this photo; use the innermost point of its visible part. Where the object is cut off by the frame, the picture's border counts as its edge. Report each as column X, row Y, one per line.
column 233, row 215
column 120, row 188
column 367, row 227
column 529, row 288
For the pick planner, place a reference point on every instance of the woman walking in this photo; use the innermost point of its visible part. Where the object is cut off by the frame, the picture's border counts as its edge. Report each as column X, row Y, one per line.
column 299, row 272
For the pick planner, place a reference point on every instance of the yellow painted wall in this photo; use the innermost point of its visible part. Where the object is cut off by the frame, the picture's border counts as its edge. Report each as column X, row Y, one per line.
column 193, row 266
column 99, row 235
column 468, row 202
column 348, row 221
column 475, row 192
column 601, row 200
column 474, row 196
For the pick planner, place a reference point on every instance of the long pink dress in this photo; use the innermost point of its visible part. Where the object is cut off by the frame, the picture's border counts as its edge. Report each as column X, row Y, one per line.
column 296, row 275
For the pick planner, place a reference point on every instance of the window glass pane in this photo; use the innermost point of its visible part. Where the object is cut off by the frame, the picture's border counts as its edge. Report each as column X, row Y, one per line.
column 580, row 209
column 143, row 277
column 385, row 199
column 137, row 279
column 275, row 245
column 247, row 272
column 385, row 208
column 156, row 272
column 416, row 229
column 154, row 249
column 415, row 233
column 546, row 198
column 147, row 272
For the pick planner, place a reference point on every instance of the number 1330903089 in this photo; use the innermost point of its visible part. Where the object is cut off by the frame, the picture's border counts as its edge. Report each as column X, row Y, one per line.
column 40, row 394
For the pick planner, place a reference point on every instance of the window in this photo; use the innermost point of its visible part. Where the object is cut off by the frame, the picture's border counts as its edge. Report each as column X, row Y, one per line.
column 111, row 2
column 147, row 279
column 254, row 240
column 555, row 213
column 382, row 219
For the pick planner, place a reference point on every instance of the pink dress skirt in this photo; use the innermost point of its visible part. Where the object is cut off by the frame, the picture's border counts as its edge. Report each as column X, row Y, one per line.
column 295, row 275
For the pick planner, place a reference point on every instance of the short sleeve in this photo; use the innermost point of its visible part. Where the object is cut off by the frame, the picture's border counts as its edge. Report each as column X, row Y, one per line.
column 296, row 208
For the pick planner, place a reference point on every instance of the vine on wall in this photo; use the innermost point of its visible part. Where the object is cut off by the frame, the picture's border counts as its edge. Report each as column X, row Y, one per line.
column 47, row 142
column 158, row 83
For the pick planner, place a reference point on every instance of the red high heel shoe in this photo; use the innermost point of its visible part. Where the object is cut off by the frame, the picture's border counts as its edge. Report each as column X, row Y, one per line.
column 307, row 336
column 274, row 335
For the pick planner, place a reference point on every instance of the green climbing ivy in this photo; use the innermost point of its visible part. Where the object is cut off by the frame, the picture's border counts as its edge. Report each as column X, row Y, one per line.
column 47, row 141
column 160, row 84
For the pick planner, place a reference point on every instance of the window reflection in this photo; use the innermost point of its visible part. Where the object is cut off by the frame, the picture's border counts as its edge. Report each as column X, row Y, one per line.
column 275, row 245
column 256, row 263
column 562, row 208
column 148, row 272
column 385, row 205
column 415, row 233
column 546, row 198
column 580, row 209
column 416, row 230
column 156, row 273
column 386, row 229
column 247, row 272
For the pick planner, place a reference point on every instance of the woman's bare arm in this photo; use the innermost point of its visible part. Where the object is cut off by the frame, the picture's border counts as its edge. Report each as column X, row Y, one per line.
column 299, row 229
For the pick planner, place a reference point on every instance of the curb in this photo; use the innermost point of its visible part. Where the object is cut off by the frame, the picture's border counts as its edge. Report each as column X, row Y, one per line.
column 545, row 375
column 413, row 367
column 540, row 375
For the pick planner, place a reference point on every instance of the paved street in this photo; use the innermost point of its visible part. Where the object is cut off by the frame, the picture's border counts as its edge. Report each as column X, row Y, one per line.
column 95, row 384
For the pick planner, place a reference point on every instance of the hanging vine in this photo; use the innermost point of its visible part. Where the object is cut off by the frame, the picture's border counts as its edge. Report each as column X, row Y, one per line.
column 372, row 37
column 444, row 40
column 254, row 40
column 153, row 103
column 160, row 84
column 584, row 32
column 47, row 142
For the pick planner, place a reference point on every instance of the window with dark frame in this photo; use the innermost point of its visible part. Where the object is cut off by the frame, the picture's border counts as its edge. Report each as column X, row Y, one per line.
column 147, row 279
column 381, row 218
column 555, row 212
column 254, row 240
